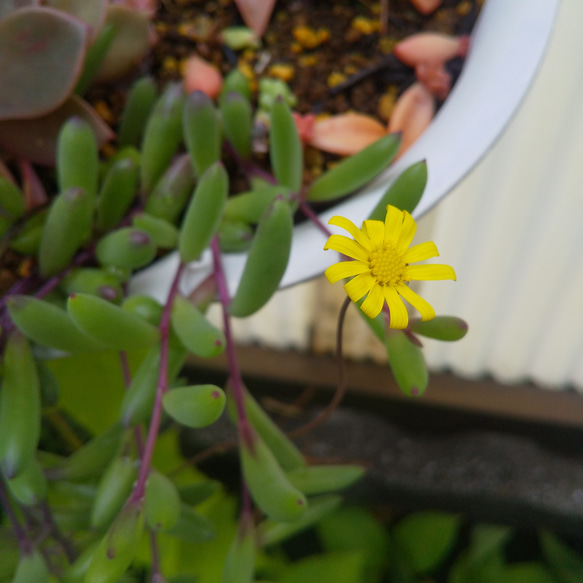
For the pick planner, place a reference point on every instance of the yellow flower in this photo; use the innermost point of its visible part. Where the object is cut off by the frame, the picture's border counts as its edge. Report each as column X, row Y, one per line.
column 381, row 265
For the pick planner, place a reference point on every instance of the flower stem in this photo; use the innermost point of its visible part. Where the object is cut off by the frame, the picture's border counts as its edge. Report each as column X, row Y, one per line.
column 148, row 452
column 340, row 387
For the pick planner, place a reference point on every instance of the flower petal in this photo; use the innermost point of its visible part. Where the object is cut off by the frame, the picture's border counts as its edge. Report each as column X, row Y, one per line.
column 393, row 223
column 360, row 285
column 399, row 317
column 428, row 272
column 423, row 307
column 375, row 231
column 351, row 228
column 345, row 269
column 373, row 304
column 407, row 232
column 420, row 252
column 347, row 247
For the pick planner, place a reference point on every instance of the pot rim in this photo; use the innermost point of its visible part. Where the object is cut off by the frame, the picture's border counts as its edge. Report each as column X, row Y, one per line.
column 508, row 45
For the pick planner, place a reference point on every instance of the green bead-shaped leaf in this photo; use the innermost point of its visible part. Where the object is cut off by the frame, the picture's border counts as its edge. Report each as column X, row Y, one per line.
column 162, row 136
column 448, row 328
column 12, row 202
column 285, row 147
column 267, row 261
column 407, row 363
column 118, row 547
column 195, row 406
column 322, row 479
column 192, row 526
column 139, row 104
column 250, row 206
column 145, row 307
column 67, row 227
column 164, row 234
column 139, row 399
column 117, row 193
column 203, row 215
column 91, row 460
column 285, row 451
column 109, row 324
column 42, row 52
column 27, row 240
column 235, row 82
column 172, row 191
column 235, row 236
column 240, row 562
column 237, row 122
column 30, row 486
column 31, row 567
column 405, row 193
column 20, row 407
column 272, row 532
column 162, row 502
column 49, row 325
column 113, row 489
column 202, row 132
column 77, row 157
column 128, row 248
column 93, row 281
column 267, row 482
column 195, row 331
column 356, row 171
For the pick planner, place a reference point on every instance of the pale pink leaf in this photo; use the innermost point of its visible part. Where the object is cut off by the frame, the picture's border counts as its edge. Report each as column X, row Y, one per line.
column 198, row 75
column 256, row 13
column 430, row 46
column 426, row 6
column 346, row 133
column 411, row 115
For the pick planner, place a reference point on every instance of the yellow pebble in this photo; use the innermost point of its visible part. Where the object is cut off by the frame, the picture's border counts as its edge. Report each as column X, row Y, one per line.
column 309, row 38
column 386, row 104
column 335, row 78
column 296, row 48
column 387, row 44
column 104, row 112
column 247, row 70
column 170, row 65
column 365, row 25
column 463, row 8
column 307, row 61
column 281, row 71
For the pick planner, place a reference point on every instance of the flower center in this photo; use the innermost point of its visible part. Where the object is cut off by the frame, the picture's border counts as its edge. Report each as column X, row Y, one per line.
column 386, row 265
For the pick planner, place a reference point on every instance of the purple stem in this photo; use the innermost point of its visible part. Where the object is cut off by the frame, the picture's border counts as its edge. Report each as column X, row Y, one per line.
column 146, row 460
column 306, row 209
column 65, row 543
column 23, row 541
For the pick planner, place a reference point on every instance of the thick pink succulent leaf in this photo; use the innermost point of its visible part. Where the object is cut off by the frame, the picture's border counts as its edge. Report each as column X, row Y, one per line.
column 41, row 57
column 411, row 115
column 305, row 126
column 149, row 7
column 430, row 46
column 15, row 135
column 35, row 194
column 256, row 13
column 346, row 134
column 435, row 78
column 426, row 6
column 199, row 75
column 132, row 41
column 92, row 13
column 7, row 6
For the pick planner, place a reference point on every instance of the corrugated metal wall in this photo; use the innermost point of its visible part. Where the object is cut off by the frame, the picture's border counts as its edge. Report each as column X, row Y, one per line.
column 513, row 230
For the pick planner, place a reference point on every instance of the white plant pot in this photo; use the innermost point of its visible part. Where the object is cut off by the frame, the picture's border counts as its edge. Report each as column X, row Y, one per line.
column 508, row 44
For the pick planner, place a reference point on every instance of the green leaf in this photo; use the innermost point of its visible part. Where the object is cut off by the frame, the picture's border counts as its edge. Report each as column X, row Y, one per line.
column 352, row 528
column 565, row 562
column 407, row 363
column 405, row 193
column 446, row 328
column 355, row 171
column 237, row 122
column 339, row 567
column 527, row 573
column 426, row 538
column 286, row 152
column 139, row 104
